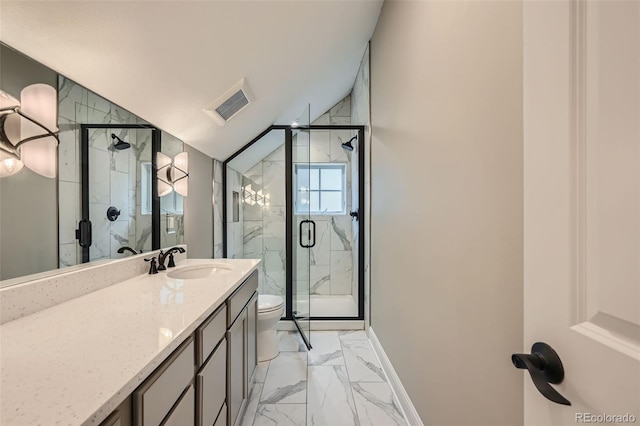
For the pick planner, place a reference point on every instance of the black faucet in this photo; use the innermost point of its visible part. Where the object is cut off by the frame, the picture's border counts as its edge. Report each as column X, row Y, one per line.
column 163, row 255
column 152, row 269
column 127, row 248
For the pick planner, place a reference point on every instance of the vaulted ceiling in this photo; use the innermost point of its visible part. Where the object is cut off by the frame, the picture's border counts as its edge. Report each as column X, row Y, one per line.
column 165, row 61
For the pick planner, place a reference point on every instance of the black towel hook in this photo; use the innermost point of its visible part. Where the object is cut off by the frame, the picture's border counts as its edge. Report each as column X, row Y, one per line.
column 545, row 367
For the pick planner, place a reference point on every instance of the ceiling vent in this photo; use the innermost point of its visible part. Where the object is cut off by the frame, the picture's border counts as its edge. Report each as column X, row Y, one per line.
column 230, row 103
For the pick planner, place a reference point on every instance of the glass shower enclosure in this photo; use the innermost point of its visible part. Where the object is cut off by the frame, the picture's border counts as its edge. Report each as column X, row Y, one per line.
column 292, row 199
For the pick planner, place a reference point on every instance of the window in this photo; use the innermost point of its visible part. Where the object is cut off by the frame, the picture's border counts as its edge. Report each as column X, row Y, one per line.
column 320, row 188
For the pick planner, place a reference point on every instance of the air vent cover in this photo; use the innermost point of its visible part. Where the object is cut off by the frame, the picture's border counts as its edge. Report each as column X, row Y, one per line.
column 230, row 103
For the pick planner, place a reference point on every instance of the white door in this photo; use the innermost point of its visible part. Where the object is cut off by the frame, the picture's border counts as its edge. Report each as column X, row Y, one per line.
column 582, row 205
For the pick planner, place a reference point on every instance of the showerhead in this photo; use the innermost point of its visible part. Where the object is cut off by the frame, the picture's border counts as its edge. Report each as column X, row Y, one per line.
column 348, row 146
column 118, row 143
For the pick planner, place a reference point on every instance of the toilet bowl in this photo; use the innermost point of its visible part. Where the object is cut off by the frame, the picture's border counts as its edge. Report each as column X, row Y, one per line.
column 270, row 310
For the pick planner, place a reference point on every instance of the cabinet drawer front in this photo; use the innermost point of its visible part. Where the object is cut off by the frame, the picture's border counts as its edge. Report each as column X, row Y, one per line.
column 155, row 397
column 240, row 297
column 222, row 417
column 184, row 412
column 210, row 333
column 212, row 385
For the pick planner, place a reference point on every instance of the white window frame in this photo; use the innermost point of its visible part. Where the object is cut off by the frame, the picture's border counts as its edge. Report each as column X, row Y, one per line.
column 320, row 166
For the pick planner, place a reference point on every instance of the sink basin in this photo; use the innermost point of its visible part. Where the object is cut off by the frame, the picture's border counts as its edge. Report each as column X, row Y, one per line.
column 194, row 272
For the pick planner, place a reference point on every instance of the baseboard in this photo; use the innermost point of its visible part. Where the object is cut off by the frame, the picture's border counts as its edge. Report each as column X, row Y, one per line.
column 408, row 410
column 324, row 325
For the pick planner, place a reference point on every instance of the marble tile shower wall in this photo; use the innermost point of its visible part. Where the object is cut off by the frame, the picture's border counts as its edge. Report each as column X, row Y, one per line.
column 332, row 266
column 360, row 115
column 217, row 209
column 264, row 227
column 119, row 173
column 235, row 249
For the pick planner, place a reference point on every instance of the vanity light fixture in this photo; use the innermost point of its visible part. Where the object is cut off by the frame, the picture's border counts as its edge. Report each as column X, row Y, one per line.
column 173, row 175
column 28, row 131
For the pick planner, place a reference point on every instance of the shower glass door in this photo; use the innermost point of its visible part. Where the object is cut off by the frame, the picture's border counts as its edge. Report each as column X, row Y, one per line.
column 303, row 232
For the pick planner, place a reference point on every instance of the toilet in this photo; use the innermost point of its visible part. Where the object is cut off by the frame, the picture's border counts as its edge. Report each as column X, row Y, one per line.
column 270, row 310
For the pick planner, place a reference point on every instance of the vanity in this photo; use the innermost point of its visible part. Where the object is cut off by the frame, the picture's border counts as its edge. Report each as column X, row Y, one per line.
column 175, row 348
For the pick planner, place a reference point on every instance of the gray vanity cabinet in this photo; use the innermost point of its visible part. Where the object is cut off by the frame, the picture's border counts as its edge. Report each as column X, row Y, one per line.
column 183, row 412
column 207, row 379
column 236, row 367
column 252, row 342
column 242, row 341
column 166, row 387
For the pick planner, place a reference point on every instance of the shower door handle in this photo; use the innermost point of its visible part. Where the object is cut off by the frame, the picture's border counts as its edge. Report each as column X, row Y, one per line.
column 312, row 236
column 311, row 233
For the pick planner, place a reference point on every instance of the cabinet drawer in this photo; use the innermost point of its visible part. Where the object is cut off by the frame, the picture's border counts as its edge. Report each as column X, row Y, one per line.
column 153, row 400
column 183, row 413
column 212, row 385
column 112, row 420
column 210, row 333
column 222, row 417
column 240, row 297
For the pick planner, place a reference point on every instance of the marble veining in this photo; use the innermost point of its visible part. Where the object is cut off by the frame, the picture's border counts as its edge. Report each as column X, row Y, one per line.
column 376, row 405
column 362, row 362
column 330, row 400
column 332, row 396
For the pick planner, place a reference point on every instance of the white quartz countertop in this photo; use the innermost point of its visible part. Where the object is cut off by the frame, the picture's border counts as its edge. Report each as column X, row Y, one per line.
column 73, row 363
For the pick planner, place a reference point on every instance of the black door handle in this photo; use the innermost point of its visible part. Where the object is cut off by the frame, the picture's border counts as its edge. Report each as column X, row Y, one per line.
column 545, row 367
column 311, row 233
column 83, row 233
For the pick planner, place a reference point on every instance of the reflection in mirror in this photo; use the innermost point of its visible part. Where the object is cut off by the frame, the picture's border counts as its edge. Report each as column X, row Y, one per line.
column 39, row 217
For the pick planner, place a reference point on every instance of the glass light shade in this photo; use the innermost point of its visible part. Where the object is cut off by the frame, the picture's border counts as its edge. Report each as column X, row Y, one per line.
column 180, row 174
column 39, row 155
column 162, row 160
column 8, row 101
column 9, row 165
column 182, row 186
column 12, row 129
column 164, row 188
column 39, row 101
column 182, row 162
column 163, row 164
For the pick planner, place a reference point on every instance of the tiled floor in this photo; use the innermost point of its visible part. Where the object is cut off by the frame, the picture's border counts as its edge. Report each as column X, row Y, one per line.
column 338, row 383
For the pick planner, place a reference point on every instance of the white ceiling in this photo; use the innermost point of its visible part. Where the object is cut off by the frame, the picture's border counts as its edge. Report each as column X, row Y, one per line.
column 166, row 61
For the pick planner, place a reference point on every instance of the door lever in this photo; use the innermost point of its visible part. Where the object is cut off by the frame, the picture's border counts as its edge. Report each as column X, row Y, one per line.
column 545, row 367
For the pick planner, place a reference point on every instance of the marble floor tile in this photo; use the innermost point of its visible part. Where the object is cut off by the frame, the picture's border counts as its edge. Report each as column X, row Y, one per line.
column 286, row 380
column 326, row 348
column 376, row 405
column 281, row 415
column 352, row 335
column 330, row 401
column 290, row 341
column 361, row 361
column 252, row 405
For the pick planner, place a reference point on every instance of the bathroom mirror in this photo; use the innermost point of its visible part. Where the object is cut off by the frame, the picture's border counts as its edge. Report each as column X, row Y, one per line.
column 39, row 216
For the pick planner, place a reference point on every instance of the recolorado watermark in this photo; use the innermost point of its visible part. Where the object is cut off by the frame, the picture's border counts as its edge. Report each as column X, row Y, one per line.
column 605, row 418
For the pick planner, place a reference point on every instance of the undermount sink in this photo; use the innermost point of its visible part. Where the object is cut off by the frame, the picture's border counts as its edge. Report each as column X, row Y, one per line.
column 199, row 271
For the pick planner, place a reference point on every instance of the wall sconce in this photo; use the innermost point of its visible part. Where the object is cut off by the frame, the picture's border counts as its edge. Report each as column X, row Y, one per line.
column 173, row 175
column 251, row 197
column 28, row 131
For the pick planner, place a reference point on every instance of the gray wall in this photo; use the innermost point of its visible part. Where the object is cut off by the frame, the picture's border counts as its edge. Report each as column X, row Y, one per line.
column 198, row 209
column 28, row 201
column 446, row 249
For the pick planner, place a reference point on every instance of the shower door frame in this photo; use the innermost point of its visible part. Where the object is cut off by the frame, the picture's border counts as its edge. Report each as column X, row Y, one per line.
column 290, row 207
column 156, row 146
